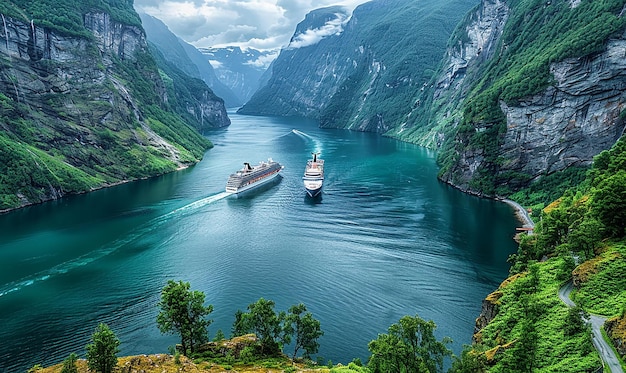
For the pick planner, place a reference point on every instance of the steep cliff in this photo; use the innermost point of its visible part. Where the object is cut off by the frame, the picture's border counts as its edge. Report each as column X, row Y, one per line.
column 186, row 58
column 362, row 71
column 525, row 94
column 83, row 104
column 306, row 74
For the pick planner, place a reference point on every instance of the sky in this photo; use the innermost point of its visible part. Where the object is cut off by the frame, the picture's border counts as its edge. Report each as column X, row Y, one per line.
column 259, row 24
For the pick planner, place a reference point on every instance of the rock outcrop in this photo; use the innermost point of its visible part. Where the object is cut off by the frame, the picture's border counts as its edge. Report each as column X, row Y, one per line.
column 616, row 330
column 573, row 120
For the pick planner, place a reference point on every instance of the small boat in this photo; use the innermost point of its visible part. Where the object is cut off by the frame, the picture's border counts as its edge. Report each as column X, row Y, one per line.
column 250, row 177
column 314, row 176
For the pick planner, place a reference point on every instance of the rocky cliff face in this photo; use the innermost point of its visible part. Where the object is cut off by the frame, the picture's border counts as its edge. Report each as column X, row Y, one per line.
column 186, row 58
column 573, row 120
column 577, row 116
column 78, row 111
column 305, row 76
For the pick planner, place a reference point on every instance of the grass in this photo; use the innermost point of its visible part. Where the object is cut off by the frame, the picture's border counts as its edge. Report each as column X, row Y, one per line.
column 165, row 363
column 608, row 340
column 554, row 352
column 603, row 287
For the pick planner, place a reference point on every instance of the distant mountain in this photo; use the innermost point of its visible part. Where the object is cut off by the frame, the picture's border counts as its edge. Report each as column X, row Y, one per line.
column 361, row 71
column 240, row 70
column 186, row 58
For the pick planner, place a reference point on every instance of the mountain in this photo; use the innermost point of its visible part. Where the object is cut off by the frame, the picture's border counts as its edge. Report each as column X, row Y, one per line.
column 83, row 104
column 240, row 70
column 527, row 89
column 361, row 71
column 186, row 58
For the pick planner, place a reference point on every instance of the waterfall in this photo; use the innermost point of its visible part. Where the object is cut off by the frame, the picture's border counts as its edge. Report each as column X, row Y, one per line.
column 32, row 28
column 6, row 32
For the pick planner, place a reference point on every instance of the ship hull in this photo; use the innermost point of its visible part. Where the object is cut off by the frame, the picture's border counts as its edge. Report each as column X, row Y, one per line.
column 313, row 176
column 313, row 187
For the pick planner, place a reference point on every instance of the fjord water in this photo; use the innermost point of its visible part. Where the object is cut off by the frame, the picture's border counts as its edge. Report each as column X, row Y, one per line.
column 386, row 239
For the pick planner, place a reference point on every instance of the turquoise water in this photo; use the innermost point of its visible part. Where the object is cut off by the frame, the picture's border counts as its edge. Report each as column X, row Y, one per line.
column 385, row 239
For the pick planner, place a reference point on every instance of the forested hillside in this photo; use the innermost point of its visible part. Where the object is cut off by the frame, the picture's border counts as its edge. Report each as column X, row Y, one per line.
column 186, row 58
column 579, row 237
column 83, row 103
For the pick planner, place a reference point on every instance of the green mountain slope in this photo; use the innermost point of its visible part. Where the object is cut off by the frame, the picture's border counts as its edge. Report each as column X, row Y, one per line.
column 369, row 73
column 83, row 103
column 524, row 325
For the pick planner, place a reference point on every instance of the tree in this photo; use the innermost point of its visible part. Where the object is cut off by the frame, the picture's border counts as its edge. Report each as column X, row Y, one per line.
column 183, row 312
column 69, row 364
column 219, row 336
column 410, row 346
column 101, row 352
column 609, row 203
column 575, row 321
column 262, row 320
column 240, row 326
column 305, row 328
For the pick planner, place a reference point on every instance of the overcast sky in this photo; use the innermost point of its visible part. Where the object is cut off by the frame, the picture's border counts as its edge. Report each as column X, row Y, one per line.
column 261, row 24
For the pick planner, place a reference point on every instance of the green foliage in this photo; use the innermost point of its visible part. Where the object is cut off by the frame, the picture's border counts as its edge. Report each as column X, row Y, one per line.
column 550, row 187
column 69, row 364
column 350, row 368
column 609, row 203
column 35, row 368
column 604, row 292
column 409, row 346
column 471, row 360
column 219, row 336
column 101, row 353
column 31, row 173
column 66, row 17
column 182, row 311
column 300, row 324
column 262, row 320
column 575, row 321
column 528, row 330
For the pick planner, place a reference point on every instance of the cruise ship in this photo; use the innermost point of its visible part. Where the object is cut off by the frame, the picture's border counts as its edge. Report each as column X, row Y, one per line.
column 314, row 176
column 250, row 177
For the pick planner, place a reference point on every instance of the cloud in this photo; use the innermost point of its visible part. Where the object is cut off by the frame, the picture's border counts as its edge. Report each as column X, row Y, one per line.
column 313, row 36
column 264, row 61
column 260, row 24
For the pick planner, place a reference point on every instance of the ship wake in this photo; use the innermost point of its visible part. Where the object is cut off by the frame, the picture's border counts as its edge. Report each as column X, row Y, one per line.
column 112, row 247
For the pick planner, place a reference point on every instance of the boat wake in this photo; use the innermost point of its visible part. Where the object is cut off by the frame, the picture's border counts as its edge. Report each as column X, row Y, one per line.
column 307, row 137
column 110, row 248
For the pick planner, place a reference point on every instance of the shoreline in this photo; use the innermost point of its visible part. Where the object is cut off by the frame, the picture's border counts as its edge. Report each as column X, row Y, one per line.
column 520, row 212
column 104, row 186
